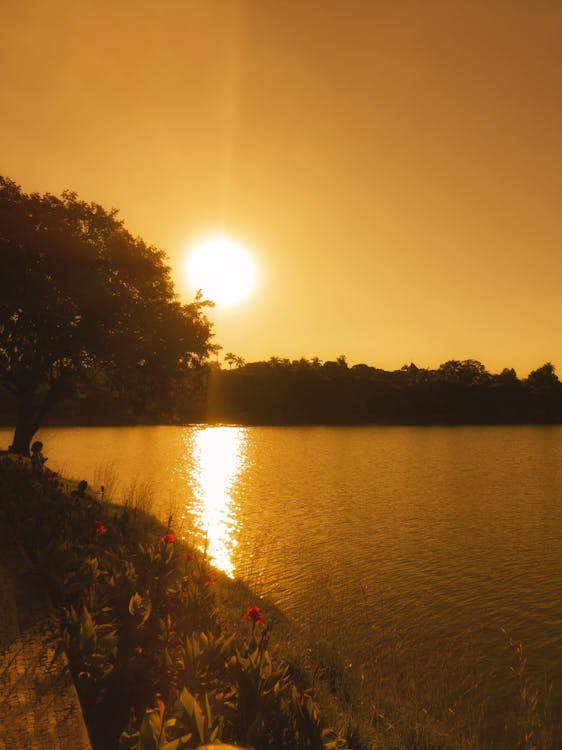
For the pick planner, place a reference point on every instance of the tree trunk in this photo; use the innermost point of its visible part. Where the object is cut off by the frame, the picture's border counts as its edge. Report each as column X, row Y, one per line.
column 32, row 406
column 28, row 421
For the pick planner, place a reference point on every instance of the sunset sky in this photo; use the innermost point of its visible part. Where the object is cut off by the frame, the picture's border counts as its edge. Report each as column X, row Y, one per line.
column 394, row 167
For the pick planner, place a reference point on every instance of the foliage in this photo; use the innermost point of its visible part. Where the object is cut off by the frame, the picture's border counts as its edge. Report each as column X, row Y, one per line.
column 84, row 303
column 143, row 635
column 281, row 391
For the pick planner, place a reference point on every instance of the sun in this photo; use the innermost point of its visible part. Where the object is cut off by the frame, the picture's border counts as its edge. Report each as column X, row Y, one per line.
column 222, row 269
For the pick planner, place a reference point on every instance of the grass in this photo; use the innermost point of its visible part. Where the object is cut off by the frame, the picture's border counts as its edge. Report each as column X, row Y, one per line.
column 393, row 699
column 106, row 475
column 139, row 495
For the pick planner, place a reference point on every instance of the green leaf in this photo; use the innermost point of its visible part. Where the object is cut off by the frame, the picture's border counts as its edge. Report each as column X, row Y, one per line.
column 208, row 714
column 227, row 643
column 271, row 683
column 87, row 630
column 140, row 609
column 150, row 730
column 194, row 712
column 135, row 603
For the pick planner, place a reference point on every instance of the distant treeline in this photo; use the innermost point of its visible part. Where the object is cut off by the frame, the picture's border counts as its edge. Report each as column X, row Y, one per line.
column 282, row 391
column 303, row 391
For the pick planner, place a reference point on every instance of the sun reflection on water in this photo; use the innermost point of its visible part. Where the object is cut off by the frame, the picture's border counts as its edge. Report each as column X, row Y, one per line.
column 218, row 459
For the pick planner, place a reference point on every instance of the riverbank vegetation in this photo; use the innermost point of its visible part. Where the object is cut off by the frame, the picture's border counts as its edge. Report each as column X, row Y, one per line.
column 311, row 392
column 154, row 661
column 164, row 648
column 302, row 391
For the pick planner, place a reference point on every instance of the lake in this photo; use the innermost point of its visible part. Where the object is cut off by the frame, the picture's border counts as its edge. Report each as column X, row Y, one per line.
column 413, row 546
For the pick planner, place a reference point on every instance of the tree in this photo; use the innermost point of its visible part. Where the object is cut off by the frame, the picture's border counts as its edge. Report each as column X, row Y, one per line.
column 233, row 359
column 84, row 303
column 507, row 376
column 544, row 377
column 467, row 372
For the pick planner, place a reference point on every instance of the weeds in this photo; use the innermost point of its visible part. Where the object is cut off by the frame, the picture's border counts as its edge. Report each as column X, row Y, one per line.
column 529, row 724
column 106, row 475
column 138, row 494
column 388, row 697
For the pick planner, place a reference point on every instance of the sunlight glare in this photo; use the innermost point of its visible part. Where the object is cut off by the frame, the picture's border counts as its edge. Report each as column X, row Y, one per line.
column 222, row 269
column 218, row 459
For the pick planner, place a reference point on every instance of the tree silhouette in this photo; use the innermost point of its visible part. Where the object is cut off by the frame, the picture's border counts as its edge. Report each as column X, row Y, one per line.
column 303, row 391
column 233, row 359
column 543, row 377
column 82, row 303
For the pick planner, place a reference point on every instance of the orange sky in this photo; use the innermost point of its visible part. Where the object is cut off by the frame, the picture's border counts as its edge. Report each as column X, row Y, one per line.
column 396, row 167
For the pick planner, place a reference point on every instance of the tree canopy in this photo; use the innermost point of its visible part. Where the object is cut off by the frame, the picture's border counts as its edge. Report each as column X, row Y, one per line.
column 82, row 303
column 303, row 391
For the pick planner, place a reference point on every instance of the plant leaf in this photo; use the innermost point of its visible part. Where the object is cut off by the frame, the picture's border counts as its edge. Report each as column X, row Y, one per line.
column 194, row 712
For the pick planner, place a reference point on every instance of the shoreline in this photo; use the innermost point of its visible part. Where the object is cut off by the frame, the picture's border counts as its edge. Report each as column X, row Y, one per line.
column 232, row 597
column 321, row 659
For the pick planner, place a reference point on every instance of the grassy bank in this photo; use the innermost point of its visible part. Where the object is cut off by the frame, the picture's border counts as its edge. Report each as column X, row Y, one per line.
column 156, row 662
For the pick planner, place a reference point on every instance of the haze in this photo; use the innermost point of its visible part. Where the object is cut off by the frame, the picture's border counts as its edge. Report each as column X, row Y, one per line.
column 395, row 167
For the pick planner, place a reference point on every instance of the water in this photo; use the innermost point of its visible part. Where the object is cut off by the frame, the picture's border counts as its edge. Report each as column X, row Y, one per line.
column 439, row 536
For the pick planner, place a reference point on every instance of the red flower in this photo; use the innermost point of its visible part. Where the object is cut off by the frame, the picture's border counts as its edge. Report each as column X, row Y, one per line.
column 99, row 528
column 168, row 538
column 207, row 579
column 253, row 613
column 189, row 557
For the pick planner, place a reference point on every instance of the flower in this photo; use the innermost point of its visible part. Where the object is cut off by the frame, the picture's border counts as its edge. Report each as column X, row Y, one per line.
column 189, row 556
column 168, row 538
column 207, row 579
column 253, row 613
column 99, row 528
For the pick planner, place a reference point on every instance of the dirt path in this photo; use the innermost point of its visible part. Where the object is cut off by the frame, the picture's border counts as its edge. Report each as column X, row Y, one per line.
column 39, row 707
